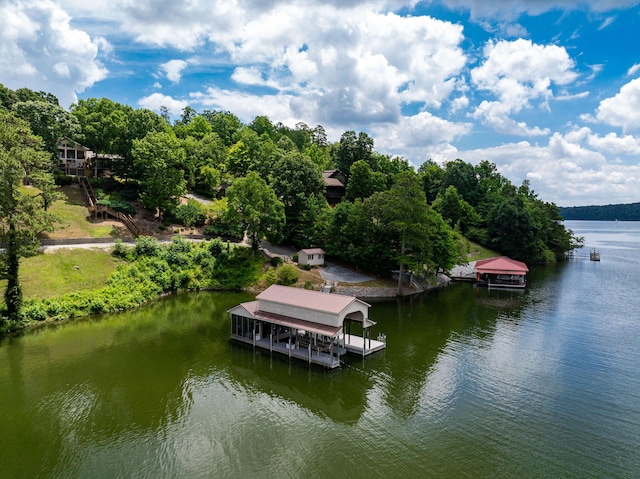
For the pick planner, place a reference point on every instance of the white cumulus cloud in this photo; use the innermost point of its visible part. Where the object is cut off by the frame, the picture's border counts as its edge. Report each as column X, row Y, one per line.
column 623, row 109
column 45, row 52
column 518, row 73
column 173, row 69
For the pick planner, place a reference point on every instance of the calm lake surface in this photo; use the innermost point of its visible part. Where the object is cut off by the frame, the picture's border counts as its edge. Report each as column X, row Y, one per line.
column 473, row 383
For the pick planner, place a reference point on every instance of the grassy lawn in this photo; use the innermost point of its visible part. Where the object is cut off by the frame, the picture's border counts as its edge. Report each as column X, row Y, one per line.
column 480, row 252
column 76, row 219
column 65, row 271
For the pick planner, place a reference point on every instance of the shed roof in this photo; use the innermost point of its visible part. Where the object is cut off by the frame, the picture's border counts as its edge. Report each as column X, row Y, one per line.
column 307, row 299
column 501, row 265
column 311, row 251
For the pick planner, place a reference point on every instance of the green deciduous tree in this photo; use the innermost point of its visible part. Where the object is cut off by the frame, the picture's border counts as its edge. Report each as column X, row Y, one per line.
column 295, row 179
column 253, row 205
column 455, row 210
column 22, row 215
column 512, row 229
column 363, row 181
column 225, row 124
column 352, row 148
column 404, row 209
column 49, row 121
column 159, row 157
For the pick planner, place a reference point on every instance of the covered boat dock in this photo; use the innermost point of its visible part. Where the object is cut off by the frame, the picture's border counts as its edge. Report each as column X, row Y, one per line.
column 501, row 272
column 308, row 325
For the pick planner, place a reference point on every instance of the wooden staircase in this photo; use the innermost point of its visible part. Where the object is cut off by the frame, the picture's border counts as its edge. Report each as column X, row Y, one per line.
column 95, row 209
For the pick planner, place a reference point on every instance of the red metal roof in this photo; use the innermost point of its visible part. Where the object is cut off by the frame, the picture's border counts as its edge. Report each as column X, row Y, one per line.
column 501, row 265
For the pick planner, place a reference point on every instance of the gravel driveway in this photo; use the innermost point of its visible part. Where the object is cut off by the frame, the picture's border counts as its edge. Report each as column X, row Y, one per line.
column 333, row 272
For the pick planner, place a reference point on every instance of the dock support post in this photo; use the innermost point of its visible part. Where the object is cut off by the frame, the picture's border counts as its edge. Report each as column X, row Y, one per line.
column 309, row 353
column 271, row 342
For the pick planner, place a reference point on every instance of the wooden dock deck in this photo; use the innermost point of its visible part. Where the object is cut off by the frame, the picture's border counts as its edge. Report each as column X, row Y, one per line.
column 330, row 359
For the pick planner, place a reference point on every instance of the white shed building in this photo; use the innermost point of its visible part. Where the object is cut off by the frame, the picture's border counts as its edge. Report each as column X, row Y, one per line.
column 312, row 256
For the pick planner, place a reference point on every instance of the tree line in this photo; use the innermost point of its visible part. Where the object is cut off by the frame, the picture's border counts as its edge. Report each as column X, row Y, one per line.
column 620, row 212
column 267, row 180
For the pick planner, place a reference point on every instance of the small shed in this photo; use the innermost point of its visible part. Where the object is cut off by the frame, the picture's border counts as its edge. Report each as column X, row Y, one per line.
column 501, row 272
column 311, row 256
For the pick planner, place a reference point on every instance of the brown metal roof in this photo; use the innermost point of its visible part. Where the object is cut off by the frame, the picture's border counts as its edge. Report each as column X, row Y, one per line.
column 307, row 299
column 252, row 308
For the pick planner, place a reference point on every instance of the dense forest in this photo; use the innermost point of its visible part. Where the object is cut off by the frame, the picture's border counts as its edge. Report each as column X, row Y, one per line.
column 267, row 182
column 625, row 212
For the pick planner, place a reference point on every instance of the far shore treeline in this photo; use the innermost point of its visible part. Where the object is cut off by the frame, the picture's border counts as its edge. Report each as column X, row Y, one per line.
column 620, row 212
column 266, row 181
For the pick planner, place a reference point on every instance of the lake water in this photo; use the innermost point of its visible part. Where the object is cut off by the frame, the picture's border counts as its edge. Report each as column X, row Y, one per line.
column 473, row 383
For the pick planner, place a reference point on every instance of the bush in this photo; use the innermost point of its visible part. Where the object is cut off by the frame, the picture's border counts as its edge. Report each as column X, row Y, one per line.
column 129, row 193
column 275, row 261
column 34, row 312
column 119, row 205
column 120, row 250
column 190, row 214
column 147, row 246
column 215, row 247
column 287, row 275
column 295, row 258
column 269, row 277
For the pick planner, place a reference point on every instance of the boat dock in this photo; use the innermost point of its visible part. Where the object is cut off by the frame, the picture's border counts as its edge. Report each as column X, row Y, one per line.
column 320, row 354
column 313, row 326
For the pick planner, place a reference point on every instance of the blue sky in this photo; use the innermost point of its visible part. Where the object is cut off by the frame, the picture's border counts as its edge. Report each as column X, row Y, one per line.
column 548, row 90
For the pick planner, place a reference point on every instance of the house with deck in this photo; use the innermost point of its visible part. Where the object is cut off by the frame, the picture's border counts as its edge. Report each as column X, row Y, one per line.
column 78, row 160
column 312, row 326
column 501, row 272
column 73, row 158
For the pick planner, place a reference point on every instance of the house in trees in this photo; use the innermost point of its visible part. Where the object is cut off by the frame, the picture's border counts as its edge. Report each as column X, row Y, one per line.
column 311, row 256
column 334, row 182
column 309, row 325
column 73, row 158
column 501, row 272
column 77, row 160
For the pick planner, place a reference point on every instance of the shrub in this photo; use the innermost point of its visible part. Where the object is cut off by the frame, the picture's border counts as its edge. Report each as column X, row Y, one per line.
column 119, row 205
column 217, row 227
column 215, row 247
column 295, row 258
column 287, row 275
column 269, row 277
column 120, row 250
column 275, row 261
column 147, row 246
column 61, row 179
column 34, row 312
column 190, row 214
column 129, row 193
